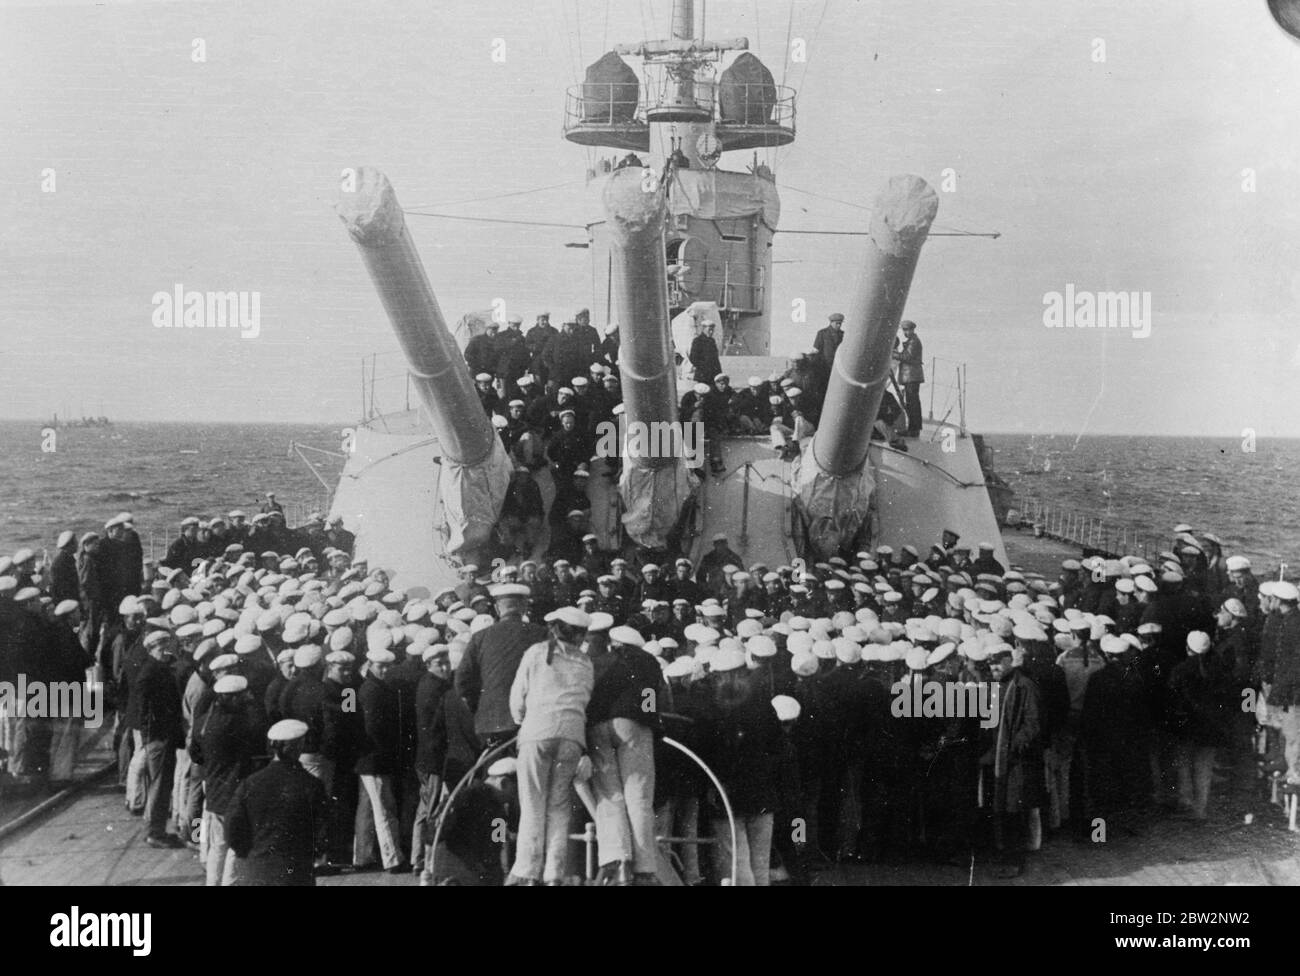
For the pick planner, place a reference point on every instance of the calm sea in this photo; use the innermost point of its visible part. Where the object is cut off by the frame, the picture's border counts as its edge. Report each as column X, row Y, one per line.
column 1150, row 484
column 160, row 472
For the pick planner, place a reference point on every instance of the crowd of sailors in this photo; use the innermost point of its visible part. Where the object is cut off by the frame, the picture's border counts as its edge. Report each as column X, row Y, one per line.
column 287, row 711
column 549, row 391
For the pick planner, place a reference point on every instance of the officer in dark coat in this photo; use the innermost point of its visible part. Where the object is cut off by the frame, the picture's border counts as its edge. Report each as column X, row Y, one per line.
column 277, row 821
column 225, row 741
column 481, row 350
column 491, row 659
column 704, row 356
column 911, row 374
column 512, row 356
column 536, row 339
column 829, row 338
column 64, row 583
column 567, row 355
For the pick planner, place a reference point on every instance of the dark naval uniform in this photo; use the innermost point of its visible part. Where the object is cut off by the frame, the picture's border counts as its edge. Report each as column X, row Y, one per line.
column 276, row 823
column 488, row 669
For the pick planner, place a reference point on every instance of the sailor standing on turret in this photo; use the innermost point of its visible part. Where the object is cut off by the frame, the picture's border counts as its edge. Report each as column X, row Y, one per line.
column 911, row 374
column 829, row 338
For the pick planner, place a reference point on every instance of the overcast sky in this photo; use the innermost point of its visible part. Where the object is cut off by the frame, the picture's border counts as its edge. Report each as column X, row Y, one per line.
column 1123, row 173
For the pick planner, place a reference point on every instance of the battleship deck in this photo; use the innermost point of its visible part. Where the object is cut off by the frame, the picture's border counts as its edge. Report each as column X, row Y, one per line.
column 92, row 840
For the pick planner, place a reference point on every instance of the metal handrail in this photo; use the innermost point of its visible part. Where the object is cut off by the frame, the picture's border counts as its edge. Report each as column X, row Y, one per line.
column 445, row 807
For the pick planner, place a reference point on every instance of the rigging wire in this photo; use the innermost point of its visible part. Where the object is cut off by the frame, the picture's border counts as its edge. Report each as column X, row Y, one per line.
column 807, row 60
column 494, row 220
column 496, row 196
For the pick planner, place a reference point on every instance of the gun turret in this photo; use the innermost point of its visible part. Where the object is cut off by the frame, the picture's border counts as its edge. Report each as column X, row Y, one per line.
column 833, row 479
column 654, row 485
column 475, row 470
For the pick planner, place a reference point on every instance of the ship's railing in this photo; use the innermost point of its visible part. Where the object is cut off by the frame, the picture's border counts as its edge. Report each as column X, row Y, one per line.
column 731, row 296
column 385, row 386
column 1105, row 535
column 665, row 96
column 947, row 381
column 599, row 103
column 155, row 540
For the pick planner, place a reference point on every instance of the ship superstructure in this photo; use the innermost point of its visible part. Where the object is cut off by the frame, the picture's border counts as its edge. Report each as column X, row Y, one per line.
column 674, row 236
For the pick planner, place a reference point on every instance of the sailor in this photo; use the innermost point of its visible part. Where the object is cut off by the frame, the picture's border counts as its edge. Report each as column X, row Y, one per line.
column 682, row 586
column 750, row 407
column 609, row 345
column 593, row 560
column 522, row 513
column 911, row 374
column 63, row 570
column 703, row 354
column 829, row 338
column 622, row 720
column 377, row 767
column 569, row 447
column 742, row 745
column 481, row 350
column 548, row 701
column 987, row 562
column 588, row 336
column 158, row 734
column 1199, row 715
column 567, row 354
column 512, row 355
column 68, row 663
column 583, row 405
column 1114, row 729
column 271, row 505
column 652, row 586
column 226, row 740
column 487, row 395
column 536, row 339
column 431, row 745
column 609, row 601
column 491, row 659
column 277, row 818
column 341, row 734
column 338, row 536
column 709, row 572
column 716, row 416
column 1284, row 691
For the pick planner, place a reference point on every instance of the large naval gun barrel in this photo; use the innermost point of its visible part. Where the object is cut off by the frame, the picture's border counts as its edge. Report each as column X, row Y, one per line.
column 475, row 470
column 834, row 482
column 654, row 485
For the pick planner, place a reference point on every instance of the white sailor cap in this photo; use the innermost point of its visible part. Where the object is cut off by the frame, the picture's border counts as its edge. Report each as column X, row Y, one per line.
column 1286, row 590
column 1238, row 564
column 787, row 708
column 66, row 607
column 1110, row 644
column 727, row 659
column 380, row 655
column 309, row 655
column 509, row 589
column 287, row 730
column 627, row 635
column 230, row 684
column 1198, row 642
column 483, row 378
column 568, row 615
